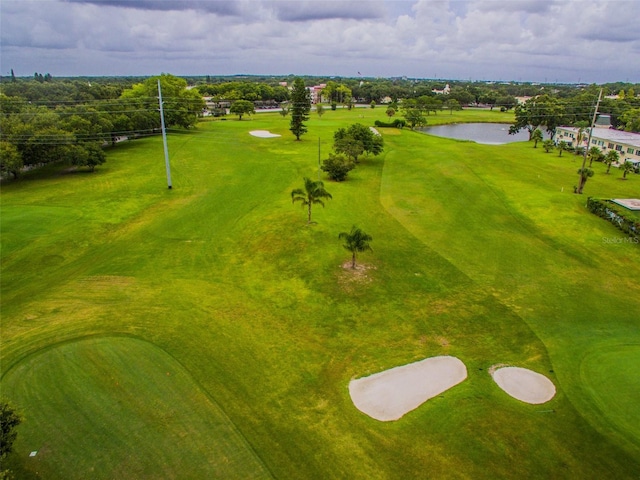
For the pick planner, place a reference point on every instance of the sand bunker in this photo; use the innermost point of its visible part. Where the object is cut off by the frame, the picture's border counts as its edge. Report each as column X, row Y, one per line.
column 389, row 395
column 525, row 385
column 263, row 134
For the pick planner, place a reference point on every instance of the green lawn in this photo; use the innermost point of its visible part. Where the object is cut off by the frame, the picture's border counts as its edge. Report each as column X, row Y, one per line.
column 480, row 252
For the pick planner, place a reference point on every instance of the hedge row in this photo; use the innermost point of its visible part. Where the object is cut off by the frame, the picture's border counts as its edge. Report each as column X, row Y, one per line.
column 397, row 123
column 615, row 214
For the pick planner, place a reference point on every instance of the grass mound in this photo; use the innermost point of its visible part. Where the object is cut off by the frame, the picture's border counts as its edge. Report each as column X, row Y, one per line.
column 610, row 375
column 119, row 407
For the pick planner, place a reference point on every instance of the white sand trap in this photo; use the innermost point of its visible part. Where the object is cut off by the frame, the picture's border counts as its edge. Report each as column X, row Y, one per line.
column 263, row 134
column 525, row 385
column 389, row 395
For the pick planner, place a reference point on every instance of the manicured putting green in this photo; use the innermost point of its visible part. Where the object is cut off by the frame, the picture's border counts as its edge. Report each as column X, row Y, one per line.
column 611, row 376
column 118, row 407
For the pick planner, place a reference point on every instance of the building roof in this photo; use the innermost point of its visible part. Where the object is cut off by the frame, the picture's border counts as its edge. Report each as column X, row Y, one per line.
column 628, row 138
column 609, row 134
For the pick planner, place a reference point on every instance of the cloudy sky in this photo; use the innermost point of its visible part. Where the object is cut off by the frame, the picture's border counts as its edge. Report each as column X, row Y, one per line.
column 523, row 40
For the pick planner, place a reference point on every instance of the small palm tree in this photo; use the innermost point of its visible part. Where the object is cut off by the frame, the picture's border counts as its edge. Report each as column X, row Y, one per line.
column 536, row 136
column 547, row 145
column 595, row 154
column 562, row 146
column 313, row 193
column 610, row 158
column 356, row 241
column 585, row 174
column 626, row 168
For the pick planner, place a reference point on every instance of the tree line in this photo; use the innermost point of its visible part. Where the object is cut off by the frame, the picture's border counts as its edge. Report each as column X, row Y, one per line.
column 35, row 133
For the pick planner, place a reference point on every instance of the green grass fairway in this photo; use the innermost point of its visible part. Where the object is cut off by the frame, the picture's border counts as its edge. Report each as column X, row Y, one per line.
column 119, row 407
column 480, row 252
column 610, row 375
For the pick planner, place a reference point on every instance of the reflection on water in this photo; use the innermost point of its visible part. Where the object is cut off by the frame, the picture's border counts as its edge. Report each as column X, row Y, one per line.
column 487, row 133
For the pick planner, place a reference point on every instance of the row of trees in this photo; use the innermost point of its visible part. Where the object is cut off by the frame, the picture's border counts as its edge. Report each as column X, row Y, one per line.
column 551, row 111
column 35, row 135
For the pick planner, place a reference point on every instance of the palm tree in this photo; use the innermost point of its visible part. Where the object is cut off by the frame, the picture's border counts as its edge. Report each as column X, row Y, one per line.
column 547, row 145
column 562, row 146
column 536, row 136
column 356, row 241
column 585, row 174
column 626, row 168
column 313, row 192
column 595, row 154
column 610, row 158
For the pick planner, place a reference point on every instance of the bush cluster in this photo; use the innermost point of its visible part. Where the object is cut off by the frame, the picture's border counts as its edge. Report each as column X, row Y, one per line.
column 610, row 211
column 397, row 123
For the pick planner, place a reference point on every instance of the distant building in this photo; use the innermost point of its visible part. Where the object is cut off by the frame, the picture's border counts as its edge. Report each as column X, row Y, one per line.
column 445, row 91
column 316, row 92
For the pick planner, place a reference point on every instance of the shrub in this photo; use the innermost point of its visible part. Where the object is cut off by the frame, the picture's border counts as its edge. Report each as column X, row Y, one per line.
column 397, row 123
column 337, row 166
column 610, row 211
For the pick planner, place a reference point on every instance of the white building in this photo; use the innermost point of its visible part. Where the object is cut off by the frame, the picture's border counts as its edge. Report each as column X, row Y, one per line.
column 627, row 144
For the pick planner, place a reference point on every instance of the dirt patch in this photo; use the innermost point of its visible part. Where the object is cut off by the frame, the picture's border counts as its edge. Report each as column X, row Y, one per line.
column 355, row 276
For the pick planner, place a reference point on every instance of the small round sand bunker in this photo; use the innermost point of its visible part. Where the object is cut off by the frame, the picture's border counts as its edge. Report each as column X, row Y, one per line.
column 524, row 385
column 263, row 134
column 390, row 394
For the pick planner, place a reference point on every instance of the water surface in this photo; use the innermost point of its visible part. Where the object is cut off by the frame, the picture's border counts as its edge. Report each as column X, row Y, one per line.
column 487, row 133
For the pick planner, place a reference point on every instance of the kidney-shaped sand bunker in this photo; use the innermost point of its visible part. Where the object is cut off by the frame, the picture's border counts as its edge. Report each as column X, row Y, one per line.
column 390, row 394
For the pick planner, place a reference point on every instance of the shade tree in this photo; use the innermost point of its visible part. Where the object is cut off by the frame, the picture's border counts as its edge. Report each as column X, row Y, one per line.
column 241, row 108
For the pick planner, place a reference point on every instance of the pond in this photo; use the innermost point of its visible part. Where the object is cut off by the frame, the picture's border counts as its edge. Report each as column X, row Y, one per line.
column 487, row 133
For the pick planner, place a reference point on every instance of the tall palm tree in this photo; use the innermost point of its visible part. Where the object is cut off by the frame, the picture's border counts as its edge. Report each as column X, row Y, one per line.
column 313, row 193
column 356, row 241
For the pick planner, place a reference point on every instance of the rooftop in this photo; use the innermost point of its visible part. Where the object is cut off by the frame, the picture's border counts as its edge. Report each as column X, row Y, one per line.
column 628, row 138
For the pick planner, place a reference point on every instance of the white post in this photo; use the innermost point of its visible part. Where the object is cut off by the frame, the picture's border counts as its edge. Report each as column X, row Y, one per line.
column 164, row 137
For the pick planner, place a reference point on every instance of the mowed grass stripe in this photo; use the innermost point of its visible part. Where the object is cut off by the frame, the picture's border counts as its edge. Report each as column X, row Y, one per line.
column 123, row 408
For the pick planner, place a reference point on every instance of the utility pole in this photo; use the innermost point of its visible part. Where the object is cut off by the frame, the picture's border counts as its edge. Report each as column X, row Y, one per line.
column 318, row 158
column 586, row 150
column 164, row 137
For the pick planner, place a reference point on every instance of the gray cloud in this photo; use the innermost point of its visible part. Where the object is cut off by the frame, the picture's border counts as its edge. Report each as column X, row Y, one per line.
column 481, row 39
column 220, row 7
column 302, row 11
